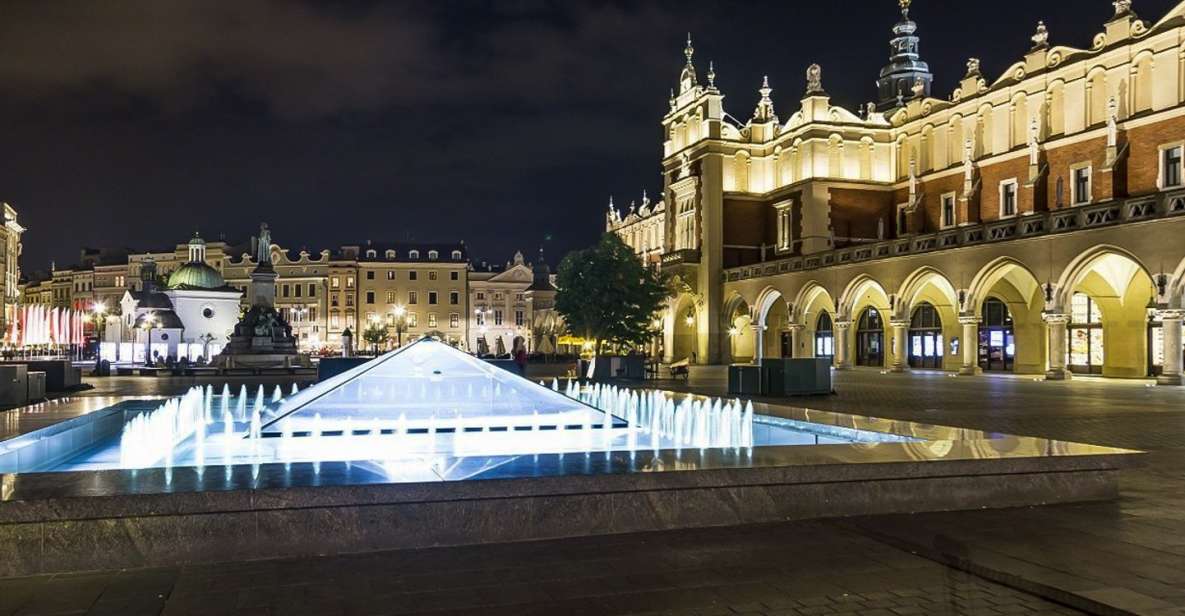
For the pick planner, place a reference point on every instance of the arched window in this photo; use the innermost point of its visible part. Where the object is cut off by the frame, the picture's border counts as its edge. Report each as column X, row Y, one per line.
column 824, row 336
column 390, row 254
column 1085, row 348
column 456, row 255
column 370, row 254
column 870, row 338
column 1142, row 84
column 925, row 337
column 997, row 342
column 413, row 254
column 433, row 255
column 1096, row 93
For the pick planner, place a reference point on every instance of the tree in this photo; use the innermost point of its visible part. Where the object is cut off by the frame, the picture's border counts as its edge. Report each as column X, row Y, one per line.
column 606, row 294
column 375, row 335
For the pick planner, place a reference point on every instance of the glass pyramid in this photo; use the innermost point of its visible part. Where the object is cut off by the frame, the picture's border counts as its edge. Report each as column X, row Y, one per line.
column 429, row 387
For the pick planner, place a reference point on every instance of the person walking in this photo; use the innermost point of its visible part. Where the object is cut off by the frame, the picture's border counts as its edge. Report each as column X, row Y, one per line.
column 518, row 353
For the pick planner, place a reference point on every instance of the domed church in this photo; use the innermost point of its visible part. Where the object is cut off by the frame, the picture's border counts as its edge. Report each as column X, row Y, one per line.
column 192, row 316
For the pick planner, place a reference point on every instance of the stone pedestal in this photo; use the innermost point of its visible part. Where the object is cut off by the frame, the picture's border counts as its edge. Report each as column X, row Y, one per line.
column 900, row 357
column 1055, row 327
column 1171, row 326
column 970, row 348
column 843, row 359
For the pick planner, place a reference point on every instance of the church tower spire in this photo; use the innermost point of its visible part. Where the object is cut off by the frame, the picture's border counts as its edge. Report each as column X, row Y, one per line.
column 905, row 71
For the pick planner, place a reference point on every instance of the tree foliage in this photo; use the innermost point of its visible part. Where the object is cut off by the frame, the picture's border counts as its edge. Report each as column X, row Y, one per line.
column 375, row 335
column 606, row 294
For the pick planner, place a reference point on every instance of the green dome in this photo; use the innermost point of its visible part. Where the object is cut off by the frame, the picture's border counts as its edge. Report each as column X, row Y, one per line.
column 196, row 276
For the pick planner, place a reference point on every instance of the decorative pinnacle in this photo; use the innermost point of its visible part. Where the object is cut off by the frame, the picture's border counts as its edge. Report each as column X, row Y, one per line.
column 1122, row 7
column 711, row 74
column 689, row 50
column 765, row 89
column 1041, row 38
column 904, row 7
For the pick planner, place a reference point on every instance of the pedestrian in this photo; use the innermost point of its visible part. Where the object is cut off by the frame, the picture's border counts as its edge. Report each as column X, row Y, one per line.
column 518, row 353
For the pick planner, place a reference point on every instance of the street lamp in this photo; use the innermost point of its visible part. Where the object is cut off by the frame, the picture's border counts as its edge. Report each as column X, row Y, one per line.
column 147, row 325
column 690, row 318
column 99, row 310
column 400, row 314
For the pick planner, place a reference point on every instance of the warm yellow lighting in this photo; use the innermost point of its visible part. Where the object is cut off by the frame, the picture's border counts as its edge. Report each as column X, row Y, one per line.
column 99, row 308
column 733, row 331
column 398, row 311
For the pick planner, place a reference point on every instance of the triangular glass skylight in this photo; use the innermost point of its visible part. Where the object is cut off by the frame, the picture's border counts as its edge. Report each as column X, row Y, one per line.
column 426, row 387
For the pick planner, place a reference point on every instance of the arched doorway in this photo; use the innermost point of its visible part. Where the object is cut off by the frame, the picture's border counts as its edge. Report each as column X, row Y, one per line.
column 1106, row 292
column 870, row 338
column 997, row 339
column 1086, row 346
column 682, row 322
column 824, row 336
column 741, row 338
column 925, row 337
column 810, row 304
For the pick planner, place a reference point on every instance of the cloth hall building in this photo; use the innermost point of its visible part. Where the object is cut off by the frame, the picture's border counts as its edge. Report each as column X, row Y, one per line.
column 1031, row 221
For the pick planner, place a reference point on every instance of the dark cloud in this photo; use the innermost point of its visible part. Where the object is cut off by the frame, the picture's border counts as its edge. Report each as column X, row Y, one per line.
column 493, row 121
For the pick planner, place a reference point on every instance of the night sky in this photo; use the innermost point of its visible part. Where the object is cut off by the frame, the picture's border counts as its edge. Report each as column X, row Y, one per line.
column 498, row 123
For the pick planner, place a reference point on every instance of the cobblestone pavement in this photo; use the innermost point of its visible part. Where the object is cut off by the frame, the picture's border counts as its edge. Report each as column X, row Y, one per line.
column 787, row 569
column 1124, row 557
column 1129, row 554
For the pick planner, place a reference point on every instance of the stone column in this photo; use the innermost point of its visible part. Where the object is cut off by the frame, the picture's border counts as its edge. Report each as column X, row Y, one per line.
column 1171, row 323
column 758, row 343
column 900, row 358
column 796, row 339
column 843, row 359
column 1055, row 326
column 970, row 346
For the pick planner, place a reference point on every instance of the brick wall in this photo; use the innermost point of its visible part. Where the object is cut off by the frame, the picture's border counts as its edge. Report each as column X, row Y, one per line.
column 1143, row 162
column 1061, row 159
column 855, row 212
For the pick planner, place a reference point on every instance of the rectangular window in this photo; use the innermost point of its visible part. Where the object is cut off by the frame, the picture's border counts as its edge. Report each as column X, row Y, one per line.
column 948, row 210
column 335, row 320
column 1080, row 186
column 370, row 275
column 1007, row 198
column 349, row 300
column 390, row 297
column 497, row 317
column 454, row 320
column 312, row 313
column 481, row 295
column 298, row 290
column 390, row 274
column 349, row 282
column 519, row 318
column 412, row 297
column 454, row 275
column 518, row 297
column 333, row 301
column 1171, row 162
column 431, row 319
column 454, row 298
column 431, row 275
column 312, row 289
column 412, row 321
column 412, row 275
column 335, row 282
column 370, row 297
column 481, row 317
column 284, row 290
column 432, row 298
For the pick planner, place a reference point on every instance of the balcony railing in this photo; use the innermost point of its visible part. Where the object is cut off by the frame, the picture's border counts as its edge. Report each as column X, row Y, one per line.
column 679, row 257
column 1161, row 205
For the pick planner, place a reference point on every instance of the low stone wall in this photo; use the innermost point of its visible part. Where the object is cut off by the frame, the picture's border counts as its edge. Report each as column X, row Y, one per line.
column 65, row 522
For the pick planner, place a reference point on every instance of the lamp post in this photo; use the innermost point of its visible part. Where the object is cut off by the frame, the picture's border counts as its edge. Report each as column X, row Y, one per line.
column 99, row 310
column 149, row 322
column 400, row 314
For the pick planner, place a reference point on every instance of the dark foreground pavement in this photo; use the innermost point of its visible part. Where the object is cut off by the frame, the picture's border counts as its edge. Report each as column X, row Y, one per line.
column 1107, row 558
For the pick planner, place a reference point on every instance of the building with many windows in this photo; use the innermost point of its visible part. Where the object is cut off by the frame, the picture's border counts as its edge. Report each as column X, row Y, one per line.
column 511, row 301
column 1028, row 221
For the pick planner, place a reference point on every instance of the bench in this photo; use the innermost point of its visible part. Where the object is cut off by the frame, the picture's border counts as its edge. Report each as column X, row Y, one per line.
column 680, row 369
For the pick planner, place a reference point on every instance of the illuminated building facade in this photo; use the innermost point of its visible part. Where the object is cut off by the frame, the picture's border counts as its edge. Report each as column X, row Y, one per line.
column 1027, row 222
